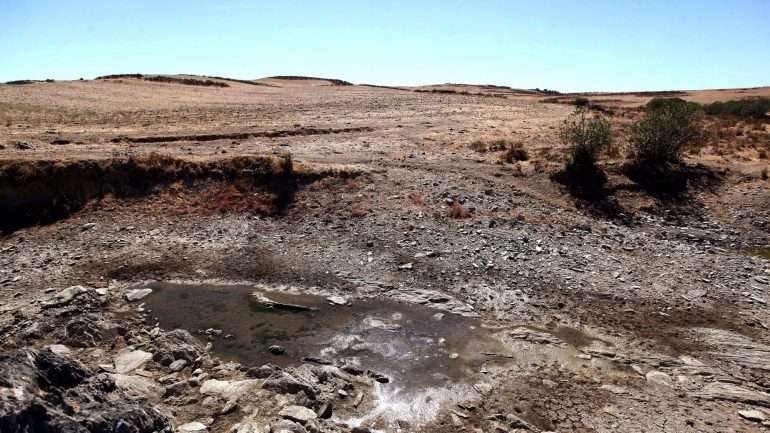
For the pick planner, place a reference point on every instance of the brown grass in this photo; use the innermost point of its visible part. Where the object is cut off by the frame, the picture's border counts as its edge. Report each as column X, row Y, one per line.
column 457, row 211
column 359, row 210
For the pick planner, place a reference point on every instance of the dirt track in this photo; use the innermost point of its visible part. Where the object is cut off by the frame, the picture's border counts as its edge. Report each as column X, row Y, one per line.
column 649, row 317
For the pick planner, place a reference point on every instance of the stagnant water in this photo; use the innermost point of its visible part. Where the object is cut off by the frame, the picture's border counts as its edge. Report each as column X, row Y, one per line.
column 426, row 355
column 431, row 359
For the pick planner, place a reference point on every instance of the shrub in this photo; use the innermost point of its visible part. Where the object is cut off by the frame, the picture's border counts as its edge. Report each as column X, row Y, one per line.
column 756, row 107
column 516, row 152
column 482, row 146
column 656, row 104
column 763, row 174
column 586, row 136
column 667, row 127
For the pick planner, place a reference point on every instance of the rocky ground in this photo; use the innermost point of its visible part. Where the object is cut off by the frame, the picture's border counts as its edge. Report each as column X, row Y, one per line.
column 650, row 318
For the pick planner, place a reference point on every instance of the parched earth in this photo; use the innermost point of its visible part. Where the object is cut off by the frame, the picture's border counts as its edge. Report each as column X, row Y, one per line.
column 336, row 291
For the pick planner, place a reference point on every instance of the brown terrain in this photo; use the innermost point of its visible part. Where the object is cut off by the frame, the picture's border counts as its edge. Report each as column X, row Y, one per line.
column 362, row 258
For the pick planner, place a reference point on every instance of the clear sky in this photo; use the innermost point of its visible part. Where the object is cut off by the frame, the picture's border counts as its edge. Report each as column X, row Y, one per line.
column 568, row 45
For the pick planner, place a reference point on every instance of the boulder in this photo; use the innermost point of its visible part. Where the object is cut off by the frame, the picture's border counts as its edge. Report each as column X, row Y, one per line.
column 53, row 393
column 138, row 386
column 298, row 414
column 130, row 361
column 228, row 389
column 175, row 345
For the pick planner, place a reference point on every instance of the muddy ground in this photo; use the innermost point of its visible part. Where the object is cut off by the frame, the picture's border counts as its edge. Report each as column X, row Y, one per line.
column 534, row 310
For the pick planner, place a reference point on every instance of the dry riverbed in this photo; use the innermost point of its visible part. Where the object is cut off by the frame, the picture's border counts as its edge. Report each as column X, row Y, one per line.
column 335, row 292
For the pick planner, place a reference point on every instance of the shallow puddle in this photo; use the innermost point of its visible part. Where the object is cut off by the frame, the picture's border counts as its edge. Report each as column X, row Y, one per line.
column 430, row 359
column 427, row 356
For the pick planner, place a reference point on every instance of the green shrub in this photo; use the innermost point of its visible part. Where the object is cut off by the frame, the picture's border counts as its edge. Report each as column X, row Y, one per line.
column 656, row 104
column 756, row 107
column 586, row 136
column 667, row 127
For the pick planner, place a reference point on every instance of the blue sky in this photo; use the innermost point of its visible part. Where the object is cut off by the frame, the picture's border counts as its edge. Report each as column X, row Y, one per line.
column 564, row 45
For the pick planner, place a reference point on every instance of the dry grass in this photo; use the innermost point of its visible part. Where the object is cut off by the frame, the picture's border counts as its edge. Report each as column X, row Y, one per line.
column 458, row 211
column 359, row 210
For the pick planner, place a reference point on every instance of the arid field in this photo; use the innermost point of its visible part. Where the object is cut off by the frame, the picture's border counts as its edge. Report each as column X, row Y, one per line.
column 306, row 255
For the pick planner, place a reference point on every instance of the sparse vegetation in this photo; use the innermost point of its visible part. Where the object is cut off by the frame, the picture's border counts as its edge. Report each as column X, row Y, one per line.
column 756, row 108
column 763, row 174
column 586, row 136
column 458, row 211
column 482, row 146
column 515, row 152
column 668, row 126
column 187, row 81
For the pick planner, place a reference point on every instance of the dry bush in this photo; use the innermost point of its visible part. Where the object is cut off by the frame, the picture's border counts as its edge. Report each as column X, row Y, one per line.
column 516, row 152
column 763, row 154
column 482, row 146
column 457, row 211
column 417, row 199
column 763, row 174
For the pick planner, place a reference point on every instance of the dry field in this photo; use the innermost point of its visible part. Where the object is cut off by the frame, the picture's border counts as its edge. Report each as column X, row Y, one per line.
column 393, row 220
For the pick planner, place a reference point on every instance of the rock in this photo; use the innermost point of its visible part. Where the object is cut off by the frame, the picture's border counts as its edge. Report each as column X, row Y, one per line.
column 248, row 425
column 192, row 427
column 262, row 372
column 266, row 302
column 276, row 350
column 59, row 349
column 229, row 406
column 138, row 386
column 337, row 300
column 175, row 345
column 86, row 331
column 287, row 426
column 65, row 296
column 659, row 378
column 736, row 349
column 23, row 145
column 228, row 389
column 284, row 383
column 130, row 361
column 137, row 294
column 325, row 412
column 406, row 266
column 46, row 387
column 615, row 389
column 87, row 226
column 177, row 365
column 752, row 415
column 298, row 414
column 731, row 392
